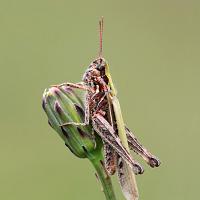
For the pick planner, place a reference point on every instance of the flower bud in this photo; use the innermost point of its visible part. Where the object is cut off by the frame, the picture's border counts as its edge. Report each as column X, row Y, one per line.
column 62, row 105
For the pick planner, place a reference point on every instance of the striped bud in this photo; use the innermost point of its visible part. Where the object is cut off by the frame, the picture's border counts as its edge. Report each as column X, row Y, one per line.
column 62, row 105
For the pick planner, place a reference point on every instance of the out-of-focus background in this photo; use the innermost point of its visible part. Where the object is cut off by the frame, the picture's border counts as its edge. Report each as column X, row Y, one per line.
column 153, row 51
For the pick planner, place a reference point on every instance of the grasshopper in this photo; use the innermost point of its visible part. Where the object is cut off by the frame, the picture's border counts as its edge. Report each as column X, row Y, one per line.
column 103, row 112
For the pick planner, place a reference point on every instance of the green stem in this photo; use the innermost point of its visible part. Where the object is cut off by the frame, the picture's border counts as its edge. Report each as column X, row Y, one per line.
column 105, row 179
column 96, row 159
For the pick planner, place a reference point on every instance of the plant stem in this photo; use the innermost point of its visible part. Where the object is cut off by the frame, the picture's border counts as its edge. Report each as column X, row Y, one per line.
column 96, row 159
column 105, row 180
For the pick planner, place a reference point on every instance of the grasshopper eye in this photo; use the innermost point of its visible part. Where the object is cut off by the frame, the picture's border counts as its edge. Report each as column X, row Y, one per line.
column 100, row 67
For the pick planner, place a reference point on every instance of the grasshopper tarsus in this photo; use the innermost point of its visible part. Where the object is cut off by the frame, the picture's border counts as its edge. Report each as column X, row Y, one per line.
column 154, row 162
column 137, row 168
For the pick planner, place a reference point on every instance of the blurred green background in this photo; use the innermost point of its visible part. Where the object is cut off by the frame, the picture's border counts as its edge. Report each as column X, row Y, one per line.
column 153, row 50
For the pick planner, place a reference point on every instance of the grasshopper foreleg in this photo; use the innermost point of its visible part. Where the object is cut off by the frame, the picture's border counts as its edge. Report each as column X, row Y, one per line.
column 107, row 133
column 80, row 86
column 135, row 145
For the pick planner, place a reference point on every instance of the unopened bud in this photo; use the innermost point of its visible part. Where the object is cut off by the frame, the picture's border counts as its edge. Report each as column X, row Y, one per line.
column 62, row 105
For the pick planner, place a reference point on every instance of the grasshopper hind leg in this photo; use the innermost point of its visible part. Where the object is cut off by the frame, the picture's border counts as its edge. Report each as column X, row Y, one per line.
column 138, row 148
column 107, row 134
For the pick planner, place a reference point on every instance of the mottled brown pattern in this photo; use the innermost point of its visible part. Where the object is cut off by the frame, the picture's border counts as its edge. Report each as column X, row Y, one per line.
column 106, row 132
column 109, row 159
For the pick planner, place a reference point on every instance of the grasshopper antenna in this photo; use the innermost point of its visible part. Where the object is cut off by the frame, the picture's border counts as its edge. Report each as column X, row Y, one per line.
column 100, row 37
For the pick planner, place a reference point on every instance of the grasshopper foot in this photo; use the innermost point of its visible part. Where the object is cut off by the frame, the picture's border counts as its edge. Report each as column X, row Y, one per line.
column 154, row 162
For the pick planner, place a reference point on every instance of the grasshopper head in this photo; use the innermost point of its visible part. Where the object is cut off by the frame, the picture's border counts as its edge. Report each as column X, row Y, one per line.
column 99, row 64
column 96, row 70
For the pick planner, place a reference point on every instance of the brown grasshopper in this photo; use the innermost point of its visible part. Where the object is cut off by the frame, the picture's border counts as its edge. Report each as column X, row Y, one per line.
column 99, row 111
